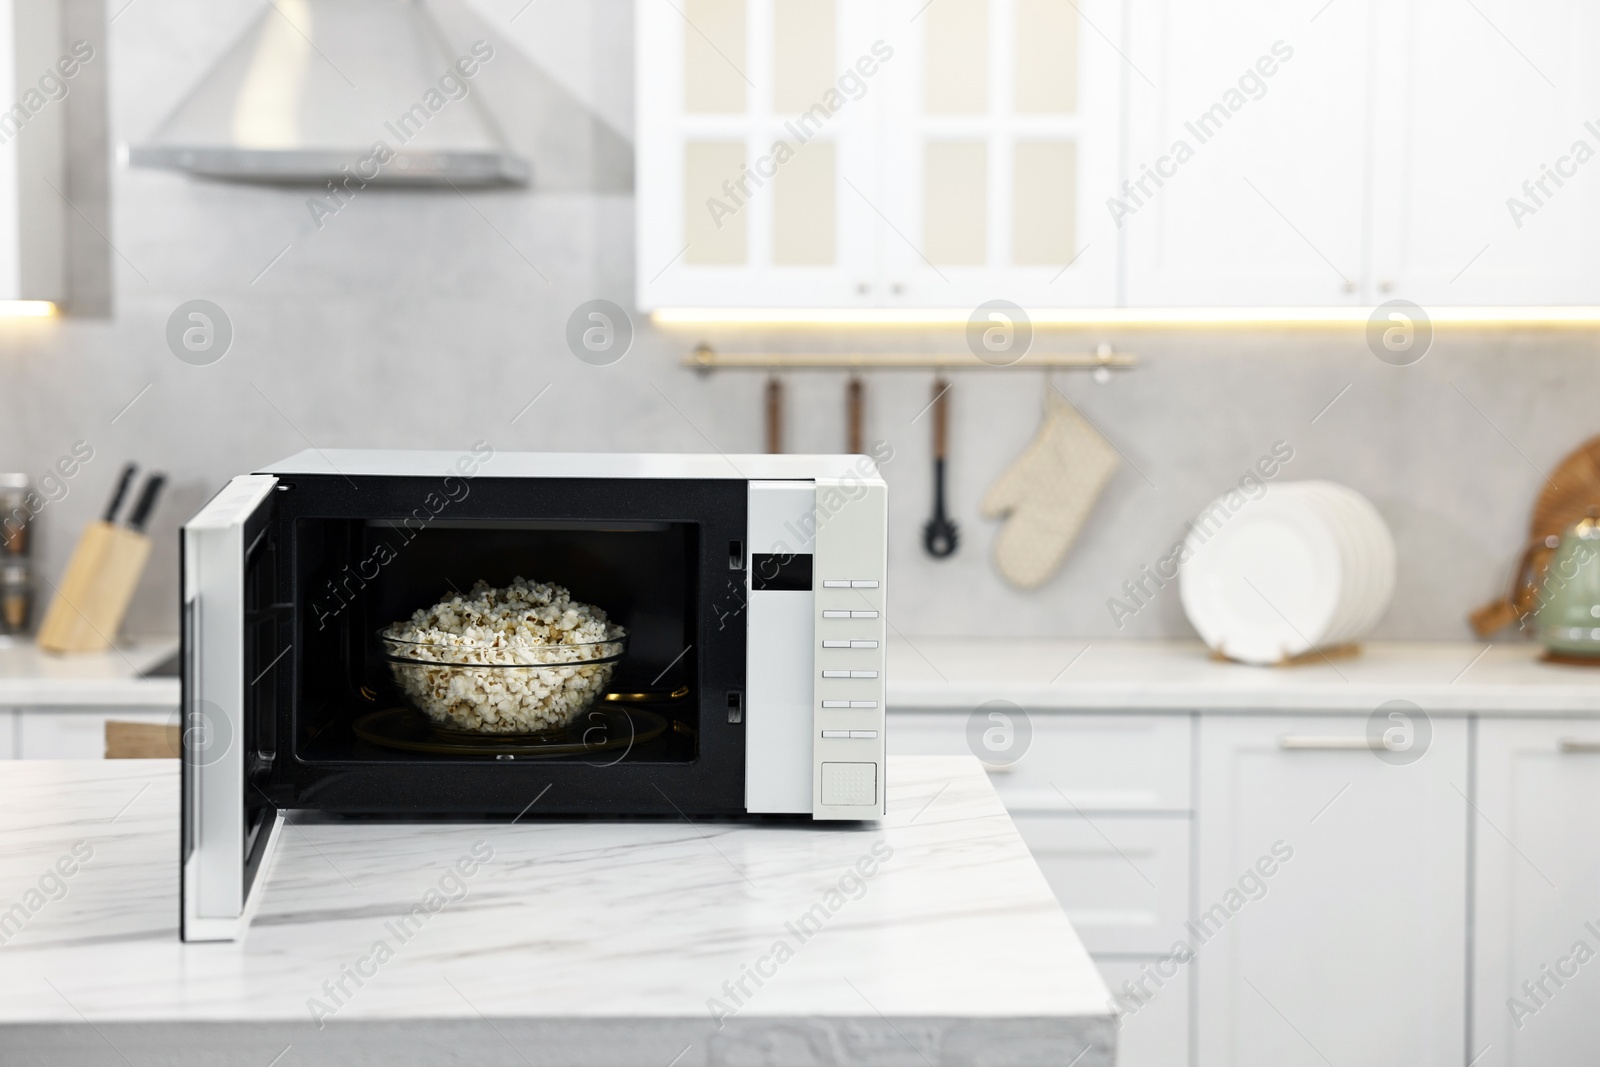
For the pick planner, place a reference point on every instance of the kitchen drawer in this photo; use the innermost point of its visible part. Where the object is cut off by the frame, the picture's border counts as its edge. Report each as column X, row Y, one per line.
column 1082, row 763
column 1123, row 880
column 75, row 733
column 8, row 733
column 1154, row 1030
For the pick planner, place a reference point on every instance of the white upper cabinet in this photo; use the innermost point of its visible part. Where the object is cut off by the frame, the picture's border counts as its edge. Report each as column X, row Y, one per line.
column 755, row 119
column 798, row 153
column 1002, row 131
column 1105, row 153
column 1247, row 135
column 1486, row 153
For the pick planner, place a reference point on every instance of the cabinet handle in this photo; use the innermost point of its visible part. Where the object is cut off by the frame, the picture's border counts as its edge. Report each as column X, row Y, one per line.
column 1302, row 743
column 1572, row 744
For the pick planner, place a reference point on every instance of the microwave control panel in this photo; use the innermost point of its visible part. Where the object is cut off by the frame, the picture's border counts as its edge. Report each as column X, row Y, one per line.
column 848, row 707
column 814, row 722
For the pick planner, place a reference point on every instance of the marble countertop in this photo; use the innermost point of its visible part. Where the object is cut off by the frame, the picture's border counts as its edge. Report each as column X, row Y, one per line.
column 958, row 673
column 929, row 938
column 30, row 677
column 1065, row 674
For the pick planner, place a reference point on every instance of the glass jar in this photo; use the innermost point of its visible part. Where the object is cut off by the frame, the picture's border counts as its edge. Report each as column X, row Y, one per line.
column 14, row 517
column 16, row 598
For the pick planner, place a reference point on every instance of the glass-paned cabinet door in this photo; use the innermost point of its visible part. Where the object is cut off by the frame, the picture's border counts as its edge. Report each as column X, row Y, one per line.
column 1248, row 146
column 757, row 124
column 1000, row 149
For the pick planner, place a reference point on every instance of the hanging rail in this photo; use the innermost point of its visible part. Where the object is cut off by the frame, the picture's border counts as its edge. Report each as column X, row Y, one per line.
column 705, row 358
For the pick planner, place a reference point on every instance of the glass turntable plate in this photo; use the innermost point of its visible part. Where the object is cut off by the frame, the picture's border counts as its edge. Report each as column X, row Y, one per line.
column 603, row 728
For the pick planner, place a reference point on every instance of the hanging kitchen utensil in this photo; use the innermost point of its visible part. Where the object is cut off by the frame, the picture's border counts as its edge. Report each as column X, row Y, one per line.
column 1571, row 489
column 1045, row 496
column 774, row 415
column 855, row 416
column 940, row 536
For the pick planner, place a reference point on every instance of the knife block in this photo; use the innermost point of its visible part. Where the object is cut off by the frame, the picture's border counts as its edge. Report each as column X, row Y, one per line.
column 95, row 590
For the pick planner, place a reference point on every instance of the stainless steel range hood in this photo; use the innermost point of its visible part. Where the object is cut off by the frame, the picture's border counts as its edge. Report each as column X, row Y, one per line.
column 314, row 86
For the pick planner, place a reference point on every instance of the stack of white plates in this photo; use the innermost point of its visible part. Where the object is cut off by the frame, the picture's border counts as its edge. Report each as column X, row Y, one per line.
column 1309, row 565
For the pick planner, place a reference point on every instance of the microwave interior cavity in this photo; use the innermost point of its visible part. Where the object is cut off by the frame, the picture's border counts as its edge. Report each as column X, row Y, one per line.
column 362, row 575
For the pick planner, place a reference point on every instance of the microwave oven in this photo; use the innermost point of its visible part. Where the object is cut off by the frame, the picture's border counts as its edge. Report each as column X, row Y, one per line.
column 752, row 589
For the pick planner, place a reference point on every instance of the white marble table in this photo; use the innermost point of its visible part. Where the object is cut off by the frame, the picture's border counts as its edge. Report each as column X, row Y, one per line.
column 932, row 938
column 1443, row 678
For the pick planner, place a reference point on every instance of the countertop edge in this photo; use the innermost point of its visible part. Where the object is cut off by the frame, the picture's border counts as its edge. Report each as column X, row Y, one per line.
column 594, row 1041
column 1512, row 700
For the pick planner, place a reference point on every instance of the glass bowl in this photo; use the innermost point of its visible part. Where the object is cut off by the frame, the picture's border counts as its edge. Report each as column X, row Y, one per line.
column 514, row 688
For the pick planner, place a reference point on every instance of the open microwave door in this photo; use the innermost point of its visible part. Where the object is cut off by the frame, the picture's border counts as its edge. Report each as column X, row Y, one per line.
column 230, row 639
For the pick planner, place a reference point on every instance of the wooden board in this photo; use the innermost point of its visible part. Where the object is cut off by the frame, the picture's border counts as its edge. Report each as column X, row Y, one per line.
column 141, row 740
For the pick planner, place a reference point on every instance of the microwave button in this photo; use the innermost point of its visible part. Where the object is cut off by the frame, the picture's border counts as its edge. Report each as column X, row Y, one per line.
column 837, row 674
column 849, row 784
column 835, row 583
column 861, row 614
column 836, row 733
column 836, row 703
column 858, row 674
column 837, row 614
column 870, row 583
column 863, row 703
column 857, row 644
column 863, row 733
column 836, row 644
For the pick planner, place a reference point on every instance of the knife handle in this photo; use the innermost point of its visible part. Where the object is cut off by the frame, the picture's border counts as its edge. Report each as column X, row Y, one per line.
column 124, row 480
column 147, row 502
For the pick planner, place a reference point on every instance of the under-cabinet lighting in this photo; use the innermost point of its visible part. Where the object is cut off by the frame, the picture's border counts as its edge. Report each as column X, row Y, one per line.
column 26, row 309
column 1564, row 315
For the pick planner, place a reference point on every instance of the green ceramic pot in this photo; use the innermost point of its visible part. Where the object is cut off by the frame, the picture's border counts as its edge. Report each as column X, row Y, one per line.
column 1568, row 617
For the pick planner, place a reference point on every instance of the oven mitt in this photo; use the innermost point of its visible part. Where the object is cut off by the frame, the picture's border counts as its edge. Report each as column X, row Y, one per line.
column 1047, row 493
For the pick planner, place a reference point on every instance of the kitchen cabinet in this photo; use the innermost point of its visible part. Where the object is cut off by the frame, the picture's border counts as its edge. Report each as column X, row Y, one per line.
column 749, row 152
column 1002, row 122
column 1247, row 135
column 1331, row 895
column 1070, row 763
column 1483, row 153
column 1407, row 917
column 1385, row 157
column 1537, row 864
column 796, row 153
column 1103, row 804
column 1154, row 1031
column 1122, row 880
column 1116, row 153
column 75, row 733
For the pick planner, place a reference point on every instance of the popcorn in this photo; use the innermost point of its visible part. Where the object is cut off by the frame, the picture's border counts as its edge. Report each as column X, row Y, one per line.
column 510, row 660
